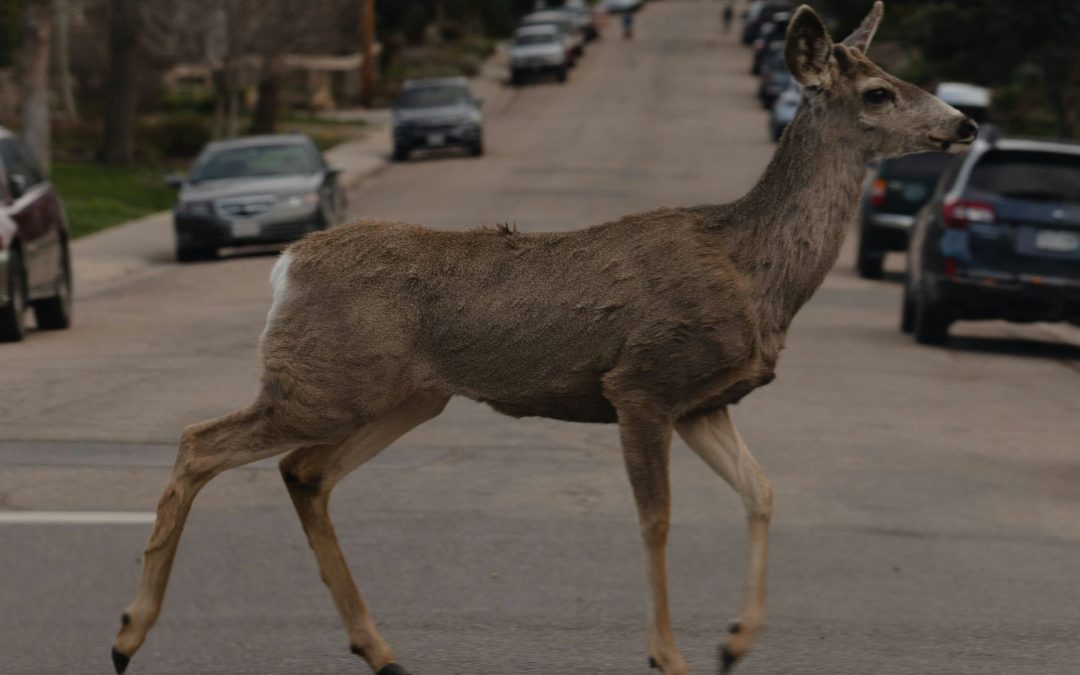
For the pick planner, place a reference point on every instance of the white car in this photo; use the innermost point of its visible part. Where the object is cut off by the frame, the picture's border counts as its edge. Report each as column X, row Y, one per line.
column 538, row 49
column 566, row 23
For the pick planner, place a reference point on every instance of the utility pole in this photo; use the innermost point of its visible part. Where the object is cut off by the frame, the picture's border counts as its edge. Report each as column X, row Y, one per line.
column 367, row 73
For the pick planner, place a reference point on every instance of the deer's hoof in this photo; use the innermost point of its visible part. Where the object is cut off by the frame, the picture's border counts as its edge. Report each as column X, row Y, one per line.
column 392, row 669
column 653, row 664
column 727, row 660
column 120, row 660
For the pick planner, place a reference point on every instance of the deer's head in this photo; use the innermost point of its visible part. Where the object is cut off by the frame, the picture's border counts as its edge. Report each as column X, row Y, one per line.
column 865, row 105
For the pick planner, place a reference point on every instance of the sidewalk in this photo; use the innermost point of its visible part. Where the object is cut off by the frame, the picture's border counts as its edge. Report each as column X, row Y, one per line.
column 139, row 245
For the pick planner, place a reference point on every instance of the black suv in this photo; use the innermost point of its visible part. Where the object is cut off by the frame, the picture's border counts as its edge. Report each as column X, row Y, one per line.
column 896, row 190
column 999, row 239
column 437, row 113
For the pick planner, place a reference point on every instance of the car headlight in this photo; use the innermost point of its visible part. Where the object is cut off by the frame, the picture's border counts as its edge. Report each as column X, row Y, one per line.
column 201, row 209
column 301, row 200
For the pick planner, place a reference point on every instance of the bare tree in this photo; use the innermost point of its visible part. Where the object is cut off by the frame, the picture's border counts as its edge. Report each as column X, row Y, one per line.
column 119, row 140
column 33, row 74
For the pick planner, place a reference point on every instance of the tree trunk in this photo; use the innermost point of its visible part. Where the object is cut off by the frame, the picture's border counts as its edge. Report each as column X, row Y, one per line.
column 118, row 143
column 33, row 73
column 1056, row 81
column 367, row 38
column 63, row 57
column 264, row 118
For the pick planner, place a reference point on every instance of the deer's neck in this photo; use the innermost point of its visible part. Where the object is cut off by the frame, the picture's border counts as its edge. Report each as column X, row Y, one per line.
column 798, row 214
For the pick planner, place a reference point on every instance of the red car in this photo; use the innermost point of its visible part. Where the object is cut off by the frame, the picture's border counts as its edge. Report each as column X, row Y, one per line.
column 35, row 264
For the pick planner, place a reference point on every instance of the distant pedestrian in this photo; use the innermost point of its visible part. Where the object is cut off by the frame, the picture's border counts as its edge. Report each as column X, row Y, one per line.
column 628, row 24
column 729, row 15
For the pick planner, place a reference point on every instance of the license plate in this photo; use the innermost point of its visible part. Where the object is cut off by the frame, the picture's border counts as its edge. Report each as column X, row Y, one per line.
column 914, row 192
column 243, row 229
column 1057, row 241
column 436, row 139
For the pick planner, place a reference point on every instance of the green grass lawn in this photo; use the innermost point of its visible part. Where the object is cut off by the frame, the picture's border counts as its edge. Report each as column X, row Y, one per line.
column 98, row 196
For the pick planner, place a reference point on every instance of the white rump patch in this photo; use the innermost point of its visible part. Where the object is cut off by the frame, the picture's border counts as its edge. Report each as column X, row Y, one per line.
column 279, row 282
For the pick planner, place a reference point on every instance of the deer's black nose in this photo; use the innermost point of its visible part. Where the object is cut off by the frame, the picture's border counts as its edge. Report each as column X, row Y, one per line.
column 968, row 128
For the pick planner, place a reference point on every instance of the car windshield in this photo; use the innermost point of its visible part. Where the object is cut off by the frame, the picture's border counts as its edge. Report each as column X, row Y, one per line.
column 1035, row 176
column 535, row 39
column 432, row 97
column 923, row 165
column 256, row 160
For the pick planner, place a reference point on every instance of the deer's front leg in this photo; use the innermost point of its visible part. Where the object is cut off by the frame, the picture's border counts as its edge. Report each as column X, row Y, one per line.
column 714, row 438
column 646, row 441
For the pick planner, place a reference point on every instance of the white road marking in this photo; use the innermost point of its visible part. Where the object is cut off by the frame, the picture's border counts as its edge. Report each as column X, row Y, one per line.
column 76, row 517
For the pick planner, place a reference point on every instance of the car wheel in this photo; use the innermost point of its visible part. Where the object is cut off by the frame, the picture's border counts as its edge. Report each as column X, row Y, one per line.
column 516, row 77
column 907, row 312
column 12, row 328
column 55, row 313
column 870, row 264
column 401, row 153
column 560, row 74
column 187, row 254
column 930, row 324
column 477, row 149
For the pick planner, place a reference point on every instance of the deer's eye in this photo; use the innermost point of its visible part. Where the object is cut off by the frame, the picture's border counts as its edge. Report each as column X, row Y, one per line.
column 877, row 96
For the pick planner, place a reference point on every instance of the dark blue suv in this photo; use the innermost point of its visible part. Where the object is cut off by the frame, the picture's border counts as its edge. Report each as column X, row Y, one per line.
column 999, row 239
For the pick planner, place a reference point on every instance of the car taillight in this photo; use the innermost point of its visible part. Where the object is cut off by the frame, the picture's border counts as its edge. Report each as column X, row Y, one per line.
column 877, row 191
column 959, row 213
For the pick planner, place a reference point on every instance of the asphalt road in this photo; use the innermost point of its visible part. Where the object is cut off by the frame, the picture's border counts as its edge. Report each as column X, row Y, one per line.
column 926, row 499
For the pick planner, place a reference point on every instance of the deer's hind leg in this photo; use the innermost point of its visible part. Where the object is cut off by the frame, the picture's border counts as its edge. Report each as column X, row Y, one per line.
column 714, row 438
column 205, row 450
column 646, row 441
column 310, row 474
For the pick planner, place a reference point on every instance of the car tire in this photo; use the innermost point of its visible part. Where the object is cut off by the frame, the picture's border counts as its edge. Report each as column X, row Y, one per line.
column 12, row 328
column 517, row 77
column 930, row 323
column 401, row 153
column 189, row 254
column 477, row 149
column 55, row 313
column 870, row 264
column 907, row 312
column 560, row 74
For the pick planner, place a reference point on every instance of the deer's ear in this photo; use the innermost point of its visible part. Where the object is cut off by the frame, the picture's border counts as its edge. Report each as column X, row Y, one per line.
column 809, row 50
column 861, row 37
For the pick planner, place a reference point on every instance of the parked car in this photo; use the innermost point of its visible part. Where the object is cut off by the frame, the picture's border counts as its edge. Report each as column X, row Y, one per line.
column 770, row 40
column 895, row 190
column 622, row 6
column 255, row 190
column 783, row 111
column 567, row 25
column 538, row 50
column 775, row 78
column 437, row 113
column 35, row 258
column 999, row 239
column 757, row 15
column 588, row 20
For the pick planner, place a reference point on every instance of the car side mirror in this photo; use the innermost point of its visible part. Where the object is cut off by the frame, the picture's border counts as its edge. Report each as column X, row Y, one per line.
column 334, row 171
column 19, row 185
column 175, row 180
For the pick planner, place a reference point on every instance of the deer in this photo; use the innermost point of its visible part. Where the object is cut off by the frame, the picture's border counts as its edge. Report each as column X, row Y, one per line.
column 658, row 322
